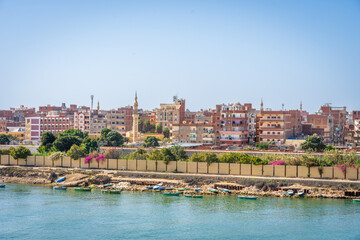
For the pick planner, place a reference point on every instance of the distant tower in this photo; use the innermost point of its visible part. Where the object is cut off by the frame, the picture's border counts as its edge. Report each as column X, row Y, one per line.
column 92, row 101
column 300, row 106
column 261, row 105
column 135, row 121
column 98, row 107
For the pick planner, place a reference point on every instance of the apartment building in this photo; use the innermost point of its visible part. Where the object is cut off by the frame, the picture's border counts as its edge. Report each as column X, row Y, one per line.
column 275, row 126
column 232, row 124
column 322, row 125
column 171, row 113
column 35, row 126
column 120, row 119
column 203, row 133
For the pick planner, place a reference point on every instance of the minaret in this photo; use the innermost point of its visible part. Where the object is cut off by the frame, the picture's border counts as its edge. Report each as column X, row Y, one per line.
column 135, row 121
column 261, row 106
column 98, row 107
column 300, row 106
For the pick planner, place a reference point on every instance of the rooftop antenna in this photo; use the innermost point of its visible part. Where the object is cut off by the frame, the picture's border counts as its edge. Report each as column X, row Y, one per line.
column 282, row 106
column 92, row 101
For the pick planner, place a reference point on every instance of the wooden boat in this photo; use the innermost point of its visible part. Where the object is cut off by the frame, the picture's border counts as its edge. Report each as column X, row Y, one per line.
column 194, row 196
column 151, row 187
column 172, row 194
column 213, row 190
column 224, row 190
column 197, row 190
column 60, row 179
column 82, row 189
column 301, row 193
column 356, row 200
column 108, row 185
column 247, row 197
column 2, row 186
column 290, row 192
column 183, row 189
column 169, row 188
column 60, row 188
column 111, row 191
column 157, row 186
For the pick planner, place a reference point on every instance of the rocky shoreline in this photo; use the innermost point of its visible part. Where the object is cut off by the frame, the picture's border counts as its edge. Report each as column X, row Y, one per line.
column 138, row 181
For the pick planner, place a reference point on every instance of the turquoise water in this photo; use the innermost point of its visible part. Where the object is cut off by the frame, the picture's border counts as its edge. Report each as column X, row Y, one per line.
column 33, row 212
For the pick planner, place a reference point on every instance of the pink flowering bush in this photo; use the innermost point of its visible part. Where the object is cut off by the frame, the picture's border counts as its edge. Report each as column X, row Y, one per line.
column 343, row 167
column 280, row 162
column 98, row 157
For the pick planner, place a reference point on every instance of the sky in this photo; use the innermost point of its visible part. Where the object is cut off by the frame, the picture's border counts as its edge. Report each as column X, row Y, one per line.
column 208, row 52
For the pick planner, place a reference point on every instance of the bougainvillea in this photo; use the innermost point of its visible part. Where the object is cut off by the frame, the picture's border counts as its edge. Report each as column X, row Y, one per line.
column 98, row 157
column 343, row 167
column 280, row 162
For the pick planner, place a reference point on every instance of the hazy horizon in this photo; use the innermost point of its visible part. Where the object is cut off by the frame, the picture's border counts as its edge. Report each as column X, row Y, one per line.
column 208, row 52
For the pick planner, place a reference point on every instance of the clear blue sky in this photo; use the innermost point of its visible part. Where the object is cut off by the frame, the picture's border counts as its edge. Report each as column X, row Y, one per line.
column 208, row 52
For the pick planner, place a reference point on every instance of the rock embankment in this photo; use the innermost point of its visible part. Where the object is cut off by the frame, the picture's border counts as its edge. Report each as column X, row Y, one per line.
column 138, row 181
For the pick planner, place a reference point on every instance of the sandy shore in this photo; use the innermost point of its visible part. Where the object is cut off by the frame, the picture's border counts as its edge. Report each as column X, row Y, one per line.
column 138, row 181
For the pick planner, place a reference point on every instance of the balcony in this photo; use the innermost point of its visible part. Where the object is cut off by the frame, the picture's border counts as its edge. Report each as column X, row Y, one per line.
column 272, row 136
column 271, row 119
column 270, row 128
column 233, row 132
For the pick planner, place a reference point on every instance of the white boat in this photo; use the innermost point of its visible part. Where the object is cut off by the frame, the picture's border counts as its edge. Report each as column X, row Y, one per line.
column 290, row 192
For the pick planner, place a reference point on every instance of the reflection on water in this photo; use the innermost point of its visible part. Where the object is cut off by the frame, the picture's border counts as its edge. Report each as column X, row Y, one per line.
column 29, row 212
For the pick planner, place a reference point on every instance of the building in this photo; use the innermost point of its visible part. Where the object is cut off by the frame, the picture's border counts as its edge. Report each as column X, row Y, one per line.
column 232, row 124
column 3, row 124
column 171, row 113
column 322, row 125
column 275, row 126
column 356, row 126
column 120, row 120
column 35, row 126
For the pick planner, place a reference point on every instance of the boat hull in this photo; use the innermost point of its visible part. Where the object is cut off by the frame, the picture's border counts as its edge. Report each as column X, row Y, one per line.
column 247, row 198
column 171, row 194
column 83, row 189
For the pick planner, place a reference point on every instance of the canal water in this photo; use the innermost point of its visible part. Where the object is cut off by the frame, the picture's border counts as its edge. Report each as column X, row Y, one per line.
column 34, row 212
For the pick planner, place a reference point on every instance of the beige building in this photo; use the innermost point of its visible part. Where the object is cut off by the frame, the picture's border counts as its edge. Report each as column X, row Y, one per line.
column 120, row 120
column 171, row 113
column 193, row 133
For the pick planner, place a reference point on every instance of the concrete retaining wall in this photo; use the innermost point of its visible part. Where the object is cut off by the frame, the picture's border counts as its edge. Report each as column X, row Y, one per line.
column 303, row 171
column 171, row 167
column 161, row 166
column 234, row 168
column 141, row 165
column 131, row 165
column 268, row 170
column 279, row 171
column 192, row 167
column 245, row 169
column 214, row 168
column 224, row 168
column 151, row 165
column 202, row 167
column 182, row 167
column 291, row 171
column 113, row 163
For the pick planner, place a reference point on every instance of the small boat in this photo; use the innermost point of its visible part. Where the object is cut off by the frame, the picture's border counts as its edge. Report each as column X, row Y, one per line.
column 356, row 200
column 171, row 194
column 60, row 179
column 162, row 188
column 194, row 196
column 197, row 190
column 82, row 189
column 247, row 197
column 183, row 189
column 301, row 193
column 108, row 185
column 213, row 190
column 157, row 186
column 150, row 187
column 169, row 188
column 224, row 190
column 2, row 186
column 60, row 188
column 290, row 192
column 111, row 191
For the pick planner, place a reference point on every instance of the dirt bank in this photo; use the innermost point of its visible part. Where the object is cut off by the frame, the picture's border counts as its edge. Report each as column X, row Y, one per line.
column 138, row 181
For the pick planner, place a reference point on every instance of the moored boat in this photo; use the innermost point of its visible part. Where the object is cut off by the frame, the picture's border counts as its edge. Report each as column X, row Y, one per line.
column 356, row 200
column 301, row 193
column 194, row 196
column 290, row 192
column 60, row 179
column 82, row 189
column 224, row 190
column 60, row 188
column 2, row 185
column 157, row 186
column 111, row 191
column 172, row 193
column 151, row 187
column 197, row 190
column 247, row 197
column 183, row 189
column 213, row 190
column 108, row 185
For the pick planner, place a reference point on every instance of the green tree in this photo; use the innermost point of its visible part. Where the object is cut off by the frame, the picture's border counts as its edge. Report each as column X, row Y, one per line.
column 179, row 153
column 76, row 152
column 47, row 140
column 90, row 144
column 167, row 155
column 166, row 132
column 147, row 126
column 139, row 154
column 152, row 127
column 104, row 132
column 140, row 125
column 262, row 146
column 20, row 152
column 4, row 139
column 330, row 148
column 74, row 132
column 204, row 157
column 155, row 155
column 151, row 141
column 64, row 143
column 114, row 139
column 313, row 144
column 159, row 128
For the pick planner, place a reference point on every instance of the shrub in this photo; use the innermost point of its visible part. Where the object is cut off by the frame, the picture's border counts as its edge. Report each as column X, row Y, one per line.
column 262, row 146
column 281, row 162
column 310, row 161
column 204, row 157
column 95, row 155
column 344, row 166
column 4, row 151
column 56, row 156
column 76, row 152
column 20, row 152
column 113, row 153
column 313, row 144
column 151, row 141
